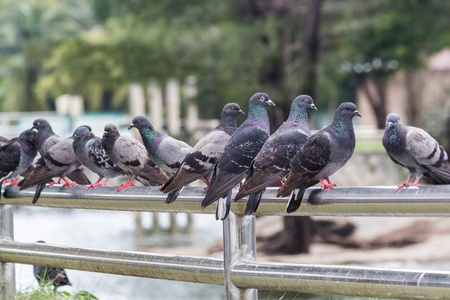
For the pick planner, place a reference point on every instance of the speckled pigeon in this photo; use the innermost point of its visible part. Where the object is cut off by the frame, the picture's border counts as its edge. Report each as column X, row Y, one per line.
column 417, row 151
column 165, row 151
column 90, row 153
column 16, row 156
column 46, row 138
column 55, row 276
column 272, row 162
column 131, row 156
column 321, row 156
column 59, row 161
column 201, row 161
column 234, row 162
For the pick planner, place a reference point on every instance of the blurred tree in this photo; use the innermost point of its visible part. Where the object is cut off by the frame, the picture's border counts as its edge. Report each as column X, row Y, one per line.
column 29, row 29
column 389, row 36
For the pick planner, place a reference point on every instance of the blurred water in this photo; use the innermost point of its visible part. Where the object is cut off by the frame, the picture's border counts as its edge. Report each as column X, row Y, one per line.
column 116, row 230
column 112, row 230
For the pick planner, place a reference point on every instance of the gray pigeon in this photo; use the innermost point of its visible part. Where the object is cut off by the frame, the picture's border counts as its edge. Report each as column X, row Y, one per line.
column 59, row 161
column 234, row 162
column 17, row 156
column 46, row 138
column 131, row 156
column 90, row 153
column 201, row 161
column 55, row 276
column 164, row 150
column 321, row 156
column 414, row 149
column 271, row 165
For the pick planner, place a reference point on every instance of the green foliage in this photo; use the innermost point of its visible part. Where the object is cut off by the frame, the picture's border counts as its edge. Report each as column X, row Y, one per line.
column 46, row 292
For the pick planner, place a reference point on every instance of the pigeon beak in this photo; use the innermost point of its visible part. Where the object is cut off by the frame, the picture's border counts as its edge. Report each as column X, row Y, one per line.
column 271, row 103
column 241, row 112
column 313, row 107
column 357, row 114
column 131, row 126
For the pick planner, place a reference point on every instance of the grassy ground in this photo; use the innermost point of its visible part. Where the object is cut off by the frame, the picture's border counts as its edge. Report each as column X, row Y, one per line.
column 46, row 292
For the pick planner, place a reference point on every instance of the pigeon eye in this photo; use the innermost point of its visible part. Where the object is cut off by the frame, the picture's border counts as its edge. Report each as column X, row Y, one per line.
column 347, row 108
column 262, row 98
column 306, row 101
column 232, row 107
column 139, row 121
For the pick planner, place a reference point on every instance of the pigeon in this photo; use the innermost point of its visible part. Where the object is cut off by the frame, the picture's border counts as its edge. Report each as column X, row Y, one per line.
column 16, row 157
column 55, row 276
column 233, row 163
column 131, row 156
column 90, row 153
column 322, row 155
column 165, row 151
column 59, row 161
column 271, row 165
column 414, row 149
column 46, row 138
column 201, row 161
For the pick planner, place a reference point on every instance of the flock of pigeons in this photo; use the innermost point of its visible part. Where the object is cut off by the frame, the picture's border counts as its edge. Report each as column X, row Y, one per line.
column 224, row 158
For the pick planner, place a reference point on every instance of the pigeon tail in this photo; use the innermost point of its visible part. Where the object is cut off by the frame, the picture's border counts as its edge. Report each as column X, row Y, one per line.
column 295, row 200
column 223, row 207
column 253, row 202
column 173, row 196
column 39, row 189
column 441, row 175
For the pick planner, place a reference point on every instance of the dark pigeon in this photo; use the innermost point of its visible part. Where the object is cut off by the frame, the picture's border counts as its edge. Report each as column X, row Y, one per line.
column 234, row 162
column 201, row 161
column 55, row 276
column 417, row 151
column 59, row 161
column 46, row 138
column 271, row 165
column 90, row 153
column 16, row 157
column 321, row 156
column 165, row 151
column 131, row 156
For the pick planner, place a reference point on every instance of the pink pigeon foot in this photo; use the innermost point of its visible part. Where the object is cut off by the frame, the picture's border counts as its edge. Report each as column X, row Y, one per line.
column 326, row 185
column 407, row 184
column 281, row 182
column 68, row 183
column 127, row 184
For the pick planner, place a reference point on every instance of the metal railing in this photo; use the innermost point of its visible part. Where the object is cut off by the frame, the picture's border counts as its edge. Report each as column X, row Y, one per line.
column 239, row 271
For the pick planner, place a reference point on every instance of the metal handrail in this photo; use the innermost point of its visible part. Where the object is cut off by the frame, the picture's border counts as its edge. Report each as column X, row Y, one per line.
column 239, row 271
column 426, row 201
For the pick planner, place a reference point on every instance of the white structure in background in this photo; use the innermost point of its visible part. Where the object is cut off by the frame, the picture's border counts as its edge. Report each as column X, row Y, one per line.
column 155, row 105
column 173, row 102
column 190, row 93
column 136, row 100
column 71, row 106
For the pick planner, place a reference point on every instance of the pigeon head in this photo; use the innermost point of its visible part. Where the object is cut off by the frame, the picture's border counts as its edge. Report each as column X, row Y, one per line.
column 28, row 137
column 347, row 109
column 110, row 129
column 141, row 122
column 305, row 102
column 42, row 125
column 260, row 99
column 393, row 121
column 232, row 109
column 82, row 133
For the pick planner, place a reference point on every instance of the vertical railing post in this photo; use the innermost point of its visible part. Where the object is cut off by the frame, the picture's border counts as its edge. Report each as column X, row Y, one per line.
column 7, row 270
column 238, row 243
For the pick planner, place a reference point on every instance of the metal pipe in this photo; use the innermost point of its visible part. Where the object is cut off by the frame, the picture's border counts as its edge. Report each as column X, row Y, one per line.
column 343, row 280
column 340, row 201
column 160, row 266
column 239, row 243
column 7, row 270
